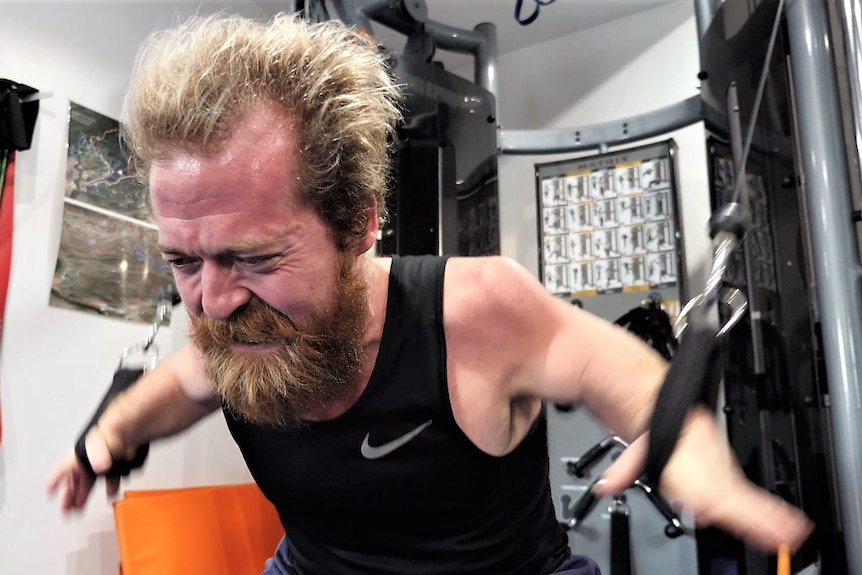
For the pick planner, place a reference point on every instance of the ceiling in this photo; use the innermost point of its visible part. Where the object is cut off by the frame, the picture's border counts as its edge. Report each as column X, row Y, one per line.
column 92, row 26
column 561, row 18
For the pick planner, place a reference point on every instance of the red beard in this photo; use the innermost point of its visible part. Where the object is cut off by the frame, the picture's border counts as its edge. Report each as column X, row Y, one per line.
column 296, row 370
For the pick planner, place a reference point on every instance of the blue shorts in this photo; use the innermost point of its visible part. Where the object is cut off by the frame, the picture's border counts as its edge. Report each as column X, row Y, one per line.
column 280, row 564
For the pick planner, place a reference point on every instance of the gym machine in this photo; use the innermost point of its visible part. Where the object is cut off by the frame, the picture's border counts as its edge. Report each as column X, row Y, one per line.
column 445, row 197
column 791, row 369
column 791, row 366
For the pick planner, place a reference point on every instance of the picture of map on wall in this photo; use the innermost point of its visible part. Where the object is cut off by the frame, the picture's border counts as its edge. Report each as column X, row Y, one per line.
column 108, row 262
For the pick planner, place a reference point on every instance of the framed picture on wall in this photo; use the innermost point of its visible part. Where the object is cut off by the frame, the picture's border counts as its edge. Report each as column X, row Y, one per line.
column 610, row 224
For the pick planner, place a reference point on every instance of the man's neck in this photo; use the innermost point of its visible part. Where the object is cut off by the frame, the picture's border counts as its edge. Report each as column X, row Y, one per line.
column 377, row 273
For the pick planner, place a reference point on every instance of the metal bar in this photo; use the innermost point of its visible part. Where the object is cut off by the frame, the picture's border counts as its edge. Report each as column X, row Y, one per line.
column 315, row 11
column 485, row 66
column 390, row 13
column 592, row 137
column 851, row 20
column 294, row 6
column 454, row 39
column 351, row 14
column 481, row 42
column 704, row 13
column 836, row 260
column 737, row 149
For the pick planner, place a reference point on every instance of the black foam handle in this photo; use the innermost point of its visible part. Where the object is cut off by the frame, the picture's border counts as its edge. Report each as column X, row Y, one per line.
column 123, row 379
column 584, row 505
column 691, row 380
column 621, row 552
column 579, row 467
column 673, row 528
column 15, row 119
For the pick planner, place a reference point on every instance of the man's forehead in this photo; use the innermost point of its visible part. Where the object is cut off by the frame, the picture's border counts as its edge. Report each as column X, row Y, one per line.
column 261, row 128
column 180, row 159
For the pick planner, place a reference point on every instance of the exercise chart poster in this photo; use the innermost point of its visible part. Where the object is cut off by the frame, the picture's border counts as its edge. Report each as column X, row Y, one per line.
column 608, row 223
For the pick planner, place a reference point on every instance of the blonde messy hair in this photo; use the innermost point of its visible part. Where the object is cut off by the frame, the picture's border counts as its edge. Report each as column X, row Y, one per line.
column 193, row 83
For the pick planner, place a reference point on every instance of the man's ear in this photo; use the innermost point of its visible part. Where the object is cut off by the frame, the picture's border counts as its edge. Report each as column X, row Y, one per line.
column 369, row 236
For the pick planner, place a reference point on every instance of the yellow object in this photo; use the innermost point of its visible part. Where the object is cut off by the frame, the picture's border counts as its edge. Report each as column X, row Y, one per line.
column 783, row 560
column 213, row 530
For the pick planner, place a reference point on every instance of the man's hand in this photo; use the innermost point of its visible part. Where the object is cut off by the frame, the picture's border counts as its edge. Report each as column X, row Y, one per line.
column 74, row 482
column 704, row 476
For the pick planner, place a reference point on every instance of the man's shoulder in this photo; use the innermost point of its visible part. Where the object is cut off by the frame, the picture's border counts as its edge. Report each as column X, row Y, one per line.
column 490, row 291
column 484, row 273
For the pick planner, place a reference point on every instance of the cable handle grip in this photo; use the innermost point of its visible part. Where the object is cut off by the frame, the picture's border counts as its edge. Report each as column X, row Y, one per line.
column 621, row 552
column 145, row 355
column 691, row 380
column 582, row 506
column 674, row 527
column 593, row 454
column 123, row 379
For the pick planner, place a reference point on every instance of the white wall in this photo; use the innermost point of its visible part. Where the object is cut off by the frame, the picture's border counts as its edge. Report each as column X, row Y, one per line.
column 55, row 364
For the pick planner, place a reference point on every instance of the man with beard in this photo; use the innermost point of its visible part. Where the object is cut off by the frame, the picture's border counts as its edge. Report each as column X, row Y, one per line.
column 390, row 408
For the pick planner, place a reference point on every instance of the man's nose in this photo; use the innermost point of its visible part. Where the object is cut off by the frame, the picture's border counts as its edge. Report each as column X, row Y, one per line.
column 221, row 293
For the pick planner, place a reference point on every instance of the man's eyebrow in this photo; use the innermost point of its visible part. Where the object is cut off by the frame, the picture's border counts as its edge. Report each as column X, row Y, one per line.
column 229, row 251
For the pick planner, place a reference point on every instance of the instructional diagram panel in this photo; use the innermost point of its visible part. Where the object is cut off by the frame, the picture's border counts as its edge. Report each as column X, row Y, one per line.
column 608, row 223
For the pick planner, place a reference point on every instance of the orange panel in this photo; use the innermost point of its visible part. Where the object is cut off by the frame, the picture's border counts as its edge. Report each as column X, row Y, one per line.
column 214, row 530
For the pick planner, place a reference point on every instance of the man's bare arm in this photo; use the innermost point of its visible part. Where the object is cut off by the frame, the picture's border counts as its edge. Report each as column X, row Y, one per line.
column 163, row 402
column 552, row 350
column 542, row 346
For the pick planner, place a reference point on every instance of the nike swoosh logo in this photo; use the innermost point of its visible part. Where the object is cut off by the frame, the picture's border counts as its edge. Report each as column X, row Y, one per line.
column 371, row 452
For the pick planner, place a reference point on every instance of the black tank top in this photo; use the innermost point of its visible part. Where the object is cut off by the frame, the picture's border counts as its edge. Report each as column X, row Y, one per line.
column 393, row 486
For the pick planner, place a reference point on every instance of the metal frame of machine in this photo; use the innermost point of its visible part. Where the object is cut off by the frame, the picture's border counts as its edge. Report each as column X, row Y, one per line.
column 827, row 177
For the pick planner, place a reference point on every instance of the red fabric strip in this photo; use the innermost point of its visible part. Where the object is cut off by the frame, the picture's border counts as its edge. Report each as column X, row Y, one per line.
column 7, row 203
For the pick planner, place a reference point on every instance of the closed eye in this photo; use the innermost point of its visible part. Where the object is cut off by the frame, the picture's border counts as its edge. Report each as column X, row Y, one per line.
column 182, row 264
column 254, row 261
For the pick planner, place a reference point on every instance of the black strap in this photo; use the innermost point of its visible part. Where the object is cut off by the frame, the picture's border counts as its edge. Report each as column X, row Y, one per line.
column 529, row 19
column 81, row 454
column 532, row 17
column 691, row 379
column 123, row 379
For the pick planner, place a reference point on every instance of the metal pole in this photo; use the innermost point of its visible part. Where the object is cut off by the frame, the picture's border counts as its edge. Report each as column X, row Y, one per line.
column 836, row 261
column 600, row 136
column 851, row 19
column 704, row 12
column 485, row 67
column 351, row 14
column 737, row 145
